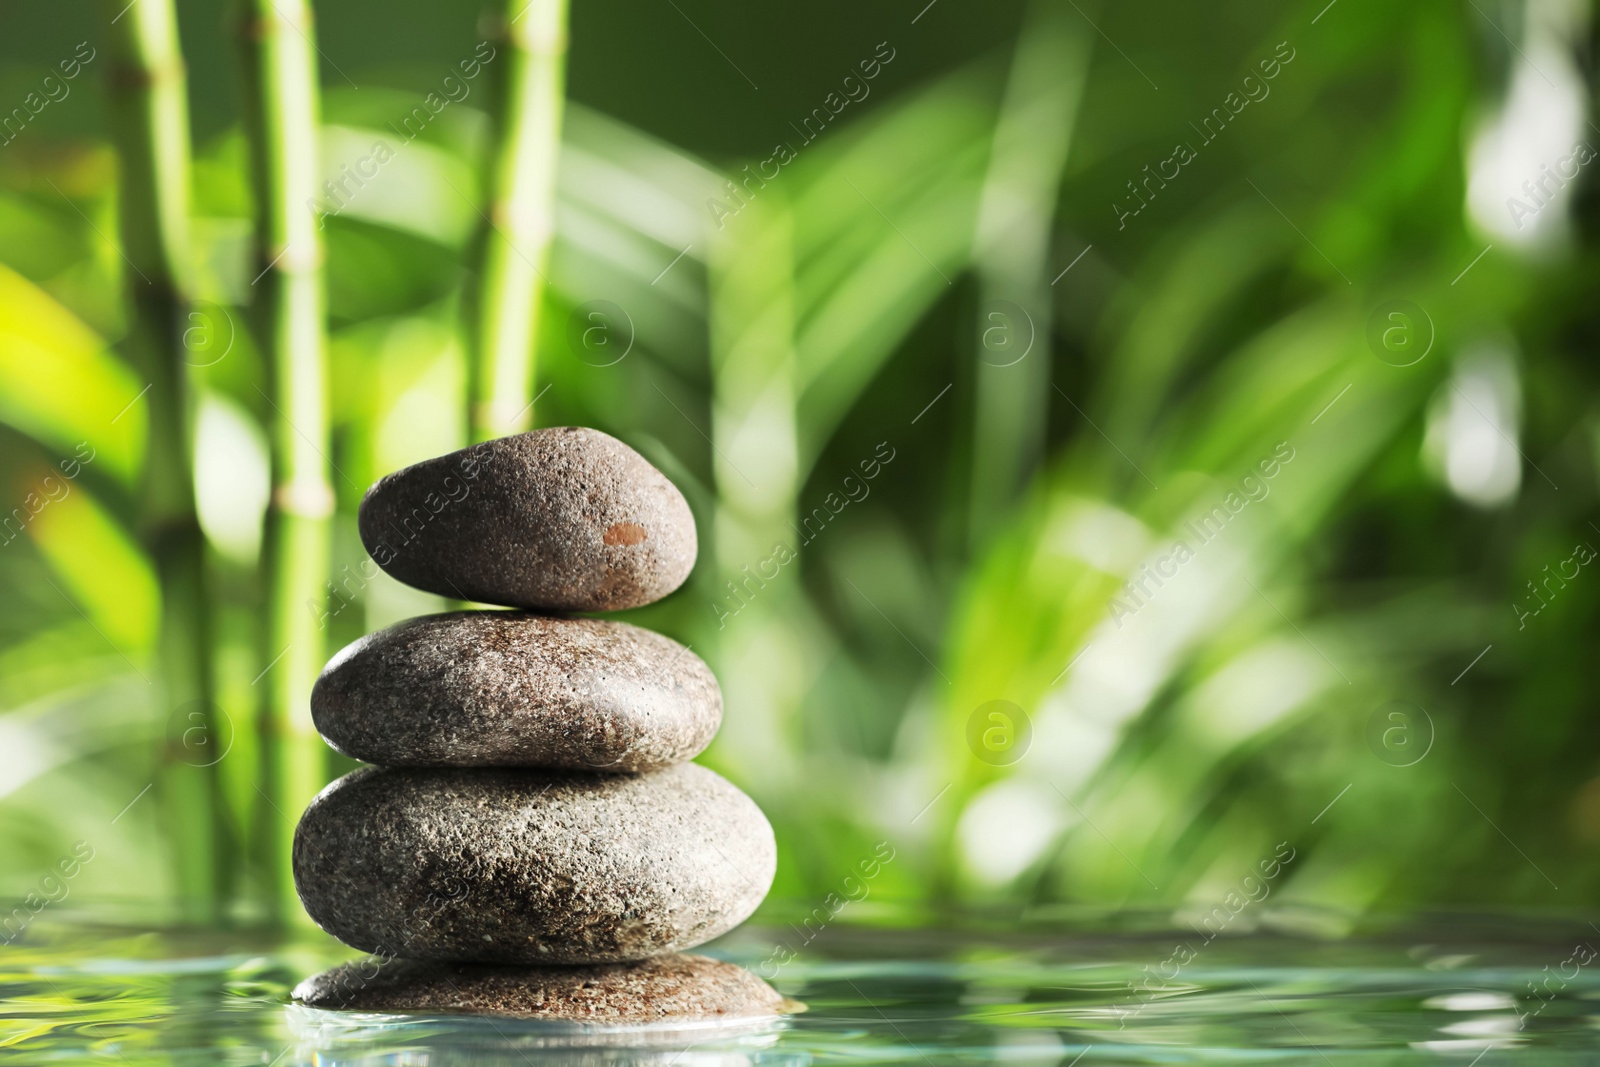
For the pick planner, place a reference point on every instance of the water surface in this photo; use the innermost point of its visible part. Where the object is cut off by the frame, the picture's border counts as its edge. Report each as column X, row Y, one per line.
column 1116, row 990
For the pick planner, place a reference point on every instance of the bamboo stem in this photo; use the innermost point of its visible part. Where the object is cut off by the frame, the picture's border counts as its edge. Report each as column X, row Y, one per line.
column 150, row 118
column 514, row 241
column 280, row 61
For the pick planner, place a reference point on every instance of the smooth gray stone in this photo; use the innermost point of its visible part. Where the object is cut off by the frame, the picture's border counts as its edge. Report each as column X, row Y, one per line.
column 503, row 865
column 670, row 988
column 507, row 689
column 566, row 519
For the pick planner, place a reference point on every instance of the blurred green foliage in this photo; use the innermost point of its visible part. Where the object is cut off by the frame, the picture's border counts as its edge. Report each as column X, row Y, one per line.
column 846, row 310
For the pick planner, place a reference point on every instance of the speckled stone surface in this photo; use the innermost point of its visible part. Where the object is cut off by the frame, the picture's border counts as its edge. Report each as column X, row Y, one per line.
column 566, row 519
column 503, row 688
column 528, row 866
column 670, row 988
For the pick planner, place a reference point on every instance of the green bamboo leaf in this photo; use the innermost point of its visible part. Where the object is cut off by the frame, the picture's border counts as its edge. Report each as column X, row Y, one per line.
column 62, row 386
column 106, row 574
column 1051, row 591
column 884, row 224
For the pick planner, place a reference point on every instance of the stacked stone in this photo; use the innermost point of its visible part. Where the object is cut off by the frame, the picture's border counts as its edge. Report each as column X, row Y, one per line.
column 533, row 821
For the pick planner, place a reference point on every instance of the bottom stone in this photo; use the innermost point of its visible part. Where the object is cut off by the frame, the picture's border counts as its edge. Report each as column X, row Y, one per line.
column 664, row 989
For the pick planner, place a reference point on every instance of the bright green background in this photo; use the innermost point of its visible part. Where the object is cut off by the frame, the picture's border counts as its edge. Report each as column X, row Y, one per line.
column 1183, row 746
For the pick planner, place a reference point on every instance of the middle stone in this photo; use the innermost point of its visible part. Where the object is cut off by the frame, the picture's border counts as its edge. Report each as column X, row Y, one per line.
column 503, row 865
column 508, row 689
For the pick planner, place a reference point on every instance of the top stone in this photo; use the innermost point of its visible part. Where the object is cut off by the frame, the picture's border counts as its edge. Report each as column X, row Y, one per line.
column 564, row 519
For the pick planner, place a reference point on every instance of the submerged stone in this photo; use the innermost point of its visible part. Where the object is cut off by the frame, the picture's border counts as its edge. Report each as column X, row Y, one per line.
column 665, row 989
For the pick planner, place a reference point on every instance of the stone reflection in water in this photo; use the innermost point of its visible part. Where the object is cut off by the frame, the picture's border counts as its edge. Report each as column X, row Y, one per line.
column 325, row 1039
